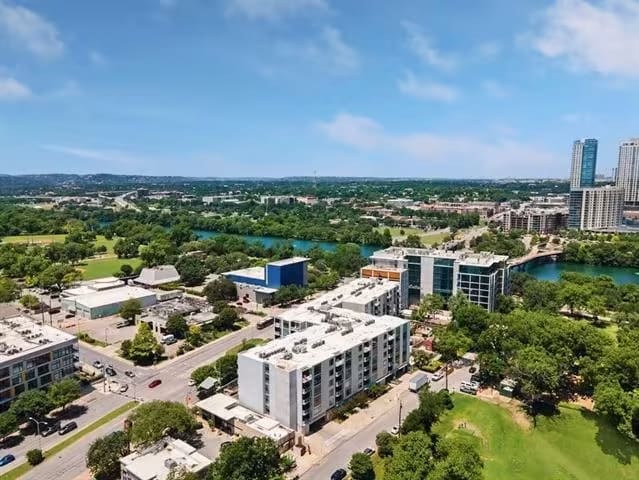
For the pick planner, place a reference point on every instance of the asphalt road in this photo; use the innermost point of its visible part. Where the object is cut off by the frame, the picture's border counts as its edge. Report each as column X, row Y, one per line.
column 174, row 374
column 364, row 438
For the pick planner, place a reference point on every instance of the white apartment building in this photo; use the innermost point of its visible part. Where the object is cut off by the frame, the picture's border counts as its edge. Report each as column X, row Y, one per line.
column 32, row 356
column 627, row 174
column 597, row 208
column 480, row 276
column 372, row 296
column 299, row 379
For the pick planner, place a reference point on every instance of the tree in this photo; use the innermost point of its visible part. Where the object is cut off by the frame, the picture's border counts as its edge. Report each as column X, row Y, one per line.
column 8, row 424
column 176, row 325
column 151, row 421
column 157, row 252
column 130, row 309
column 430, row 304
column 471, row 319
column 144, row 346
column 457, row 459
column 226, row 319
column 596, row 306
column 451, row 343
column 63, row 392
column 194, row 336
column 192, row 270
column 431, row 406
column 384, row 442
column 573, row 295
column 541, row 295
column 505, row 303
column 126, row 247
column 537, row 373
column 34, row 457
column 346, row 259
column 289, row 293
column 248, row 458
column 57, row 275
column 126, row 269
column 32, row 403
column 220, row 289
column 412, row 458
column 30, row 301
column 361, row 467
column 9, row 290
column 103, row 457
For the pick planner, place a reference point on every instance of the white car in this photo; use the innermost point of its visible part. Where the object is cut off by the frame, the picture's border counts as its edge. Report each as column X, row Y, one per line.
column 395, row 430
column 191, row 382
column 437, row 376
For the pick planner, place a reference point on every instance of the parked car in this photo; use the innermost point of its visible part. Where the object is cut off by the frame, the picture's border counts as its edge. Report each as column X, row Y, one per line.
column 369, row 451
column 67, row 428
column 129, row 373
column 437, row 376
column 472, row 369
column 155, row 383
column 110, row 371
column 395, row 430
column 49, row 429
column 191, row 382
column 124, row 387
column 98, row 364
column 6, row 459
column 122, row 324
column 339, row 474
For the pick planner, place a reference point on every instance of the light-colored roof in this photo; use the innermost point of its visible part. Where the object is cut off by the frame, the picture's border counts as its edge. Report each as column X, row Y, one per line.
column 288, row 261
column 228, row 408
column 112, row 296
column 464, row 257
column 257, row 273
column 156, row 462
column 158, row 275
column 334, row 331
column 23, row 335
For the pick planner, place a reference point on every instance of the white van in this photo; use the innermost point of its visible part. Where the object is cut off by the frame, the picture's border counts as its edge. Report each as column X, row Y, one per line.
column 168, row 339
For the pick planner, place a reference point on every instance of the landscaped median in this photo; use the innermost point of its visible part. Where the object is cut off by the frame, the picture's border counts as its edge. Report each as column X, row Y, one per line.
column 20, row 470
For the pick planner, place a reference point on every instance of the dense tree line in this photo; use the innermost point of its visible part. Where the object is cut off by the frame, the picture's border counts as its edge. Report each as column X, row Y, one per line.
column 500, row 243
column 617, row 251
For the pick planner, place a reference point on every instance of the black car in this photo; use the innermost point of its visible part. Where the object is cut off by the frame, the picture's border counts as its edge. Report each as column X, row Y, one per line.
column 67, row 428
column 339, row 474
column 110, row 371
column 49, row 428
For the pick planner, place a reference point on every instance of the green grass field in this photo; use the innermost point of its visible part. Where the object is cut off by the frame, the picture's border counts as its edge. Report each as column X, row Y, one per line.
column 427, row 238
column 46, row 239
column 575, row 444
column 105, row 267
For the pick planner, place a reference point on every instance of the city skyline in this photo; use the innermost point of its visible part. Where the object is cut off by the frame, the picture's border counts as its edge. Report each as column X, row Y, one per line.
column 247, row 88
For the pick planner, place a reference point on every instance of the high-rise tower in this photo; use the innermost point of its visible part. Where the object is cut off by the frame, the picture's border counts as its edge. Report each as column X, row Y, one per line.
column 628, row 171
column 584, row 163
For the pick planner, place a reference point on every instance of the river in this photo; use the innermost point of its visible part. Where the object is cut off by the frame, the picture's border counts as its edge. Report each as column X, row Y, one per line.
column 553, row 270
column 303, row 245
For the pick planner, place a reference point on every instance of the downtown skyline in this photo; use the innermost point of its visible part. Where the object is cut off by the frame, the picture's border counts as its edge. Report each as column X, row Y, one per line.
column 256, row 88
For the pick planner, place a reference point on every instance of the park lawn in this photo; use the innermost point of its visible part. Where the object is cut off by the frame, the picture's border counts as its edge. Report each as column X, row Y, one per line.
column 105, row 267
column 53, row 238
column 575, row 444
column 428, row 238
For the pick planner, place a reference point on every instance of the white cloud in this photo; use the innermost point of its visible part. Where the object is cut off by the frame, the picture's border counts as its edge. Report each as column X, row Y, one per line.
column 274, row 9
column 494, row 89
column 422, row 47
column 501, row 157
column 97, row 58
column 12, row 90
column 327, row 51
column 600, row 37
column 106, row 156
column 426, row 90
column 29, row 31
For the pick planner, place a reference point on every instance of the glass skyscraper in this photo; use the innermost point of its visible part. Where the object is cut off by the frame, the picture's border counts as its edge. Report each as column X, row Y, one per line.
column 584, row 163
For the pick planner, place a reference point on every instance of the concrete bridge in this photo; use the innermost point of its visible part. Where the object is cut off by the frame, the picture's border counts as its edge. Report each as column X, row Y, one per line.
column 533, row 255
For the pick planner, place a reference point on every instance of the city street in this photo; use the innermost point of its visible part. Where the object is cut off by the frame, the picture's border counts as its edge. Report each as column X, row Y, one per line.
column 339, row 453
column 174, row 374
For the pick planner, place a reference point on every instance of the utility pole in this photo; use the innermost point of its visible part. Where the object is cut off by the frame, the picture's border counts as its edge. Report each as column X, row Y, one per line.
column 446, row 375
column 38, row 429
column 399, row 423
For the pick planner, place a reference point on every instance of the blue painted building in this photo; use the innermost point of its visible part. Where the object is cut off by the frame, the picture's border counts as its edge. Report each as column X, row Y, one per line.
column 291, row 271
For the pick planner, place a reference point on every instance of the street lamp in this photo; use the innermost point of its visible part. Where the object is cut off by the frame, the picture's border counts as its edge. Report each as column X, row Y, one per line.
column 38, row 430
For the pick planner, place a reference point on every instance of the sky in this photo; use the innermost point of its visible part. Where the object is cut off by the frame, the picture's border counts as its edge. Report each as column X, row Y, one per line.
column 271, row 88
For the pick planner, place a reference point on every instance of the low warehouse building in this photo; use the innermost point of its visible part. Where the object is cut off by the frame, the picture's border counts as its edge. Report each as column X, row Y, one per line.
column 107, row 302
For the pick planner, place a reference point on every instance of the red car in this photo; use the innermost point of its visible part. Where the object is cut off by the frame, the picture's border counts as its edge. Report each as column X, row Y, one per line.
column 155, row 383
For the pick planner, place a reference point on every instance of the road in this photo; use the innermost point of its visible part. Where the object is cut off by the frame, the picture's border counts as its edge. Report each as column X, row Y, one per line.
column 174, row 374
column 363, row 438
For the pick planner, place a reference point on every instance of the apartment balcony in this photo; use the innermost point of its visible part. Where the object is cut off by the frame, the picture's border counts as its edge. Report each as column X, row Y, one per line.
column 339, row 363
column 307, row 378
column 367, row 349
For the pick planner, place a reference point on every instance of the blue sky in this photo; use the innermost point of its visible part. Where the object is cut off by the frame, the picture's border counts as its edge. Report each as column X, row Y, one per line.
column 488, row 88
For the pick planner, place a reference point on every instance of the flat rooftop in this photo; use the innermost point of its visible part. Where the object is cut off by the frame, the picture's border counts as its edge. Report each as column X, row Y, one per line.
column 157, row 461
column 111, row 296
column 339, row 330
column 464, row 257
column 258, row 273
column 24, row 336
column 229, row 408
column 289, row 261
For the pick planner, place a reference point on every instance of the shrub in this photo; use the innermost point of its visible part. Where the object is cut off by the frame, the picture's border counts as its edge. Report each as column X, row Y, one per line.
column 35, row 456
